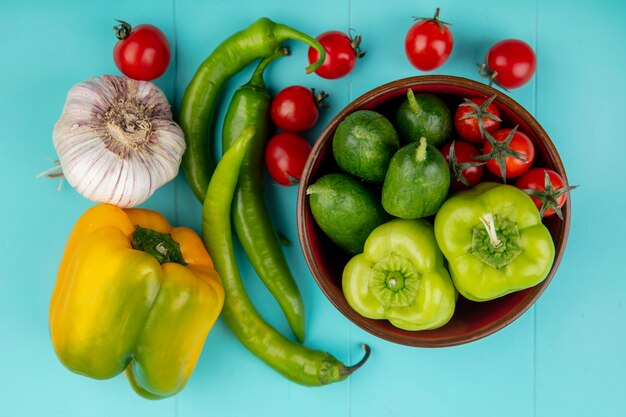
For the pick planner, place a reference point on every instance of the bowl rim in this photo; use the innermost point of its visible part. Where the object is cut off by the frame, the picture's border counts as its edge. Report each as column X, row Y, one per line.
column 302, row 205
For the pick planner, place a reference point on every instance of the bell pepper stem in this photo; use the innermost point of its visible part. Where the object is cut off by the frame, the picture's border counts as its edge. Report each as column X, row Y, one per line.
column 488, row 221
column 395, row 280
column 160, row 245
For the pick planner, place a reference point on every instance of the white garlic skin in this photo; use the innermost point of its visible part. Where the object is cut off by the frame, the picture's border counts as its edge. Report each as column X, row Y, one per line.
column 116, row 140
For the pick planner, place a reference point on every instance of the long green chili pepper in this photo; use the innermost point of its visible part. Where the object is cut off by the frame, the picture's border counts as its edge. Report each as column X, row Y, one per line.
column 294, row 361
column 259, row 40
column 253, row 225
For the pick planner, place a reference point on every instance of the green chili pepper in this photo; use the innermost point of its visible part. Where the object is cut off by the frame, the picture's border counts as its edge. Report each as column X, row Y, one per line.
column 250, row 107
column 259, row 40
column 295, row 362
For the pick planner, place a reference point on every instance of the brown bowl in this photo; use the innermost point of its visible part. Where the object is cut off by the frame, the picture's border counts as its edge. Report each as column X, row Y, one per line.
column 471, row 320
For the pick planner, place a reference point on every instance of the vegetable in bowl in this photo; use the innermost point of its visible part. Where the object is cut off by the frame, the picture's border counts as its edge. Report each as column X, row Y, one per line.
column 494, row 241
column 400, row 276
column 471, row 320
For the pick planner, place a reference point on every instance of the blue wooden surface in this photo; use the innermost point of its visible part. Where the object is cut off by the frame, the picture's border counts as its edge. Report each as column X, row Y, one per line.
column 564, row 357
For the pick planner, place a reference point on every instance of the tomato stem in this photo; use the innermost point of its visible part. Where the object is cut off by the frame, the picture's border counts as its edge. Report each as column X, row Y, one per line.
column 355, row 42
column 549, row 197
column 122, row 30
column 320, row 99
column 457, row 167
column 434, row 19
column 479, row 112
column 501, row 150
column 486, row 72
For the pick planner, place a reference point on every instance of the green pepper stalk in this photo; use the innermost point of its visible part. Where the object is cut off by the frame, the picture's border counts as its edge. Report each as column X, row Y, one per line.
column 294, row 361
column 160, row 245
column 490, row 226
column 259, row 40
column 253, row 225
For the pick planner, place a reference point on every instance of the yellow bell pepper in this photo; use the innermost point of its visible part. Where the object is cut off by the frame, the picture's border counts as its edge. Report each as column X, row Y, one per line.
column 134, row 295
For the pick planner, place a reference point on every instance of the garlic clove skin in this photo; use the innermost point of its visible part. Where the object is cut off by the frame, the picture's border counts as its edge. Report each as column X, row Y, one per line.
column 116, row 140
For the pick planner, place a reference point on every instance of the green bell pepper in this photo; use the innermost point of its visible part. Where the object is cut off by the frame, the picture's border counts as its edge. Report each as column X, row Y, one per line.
column 400, row 277
column 494, row 241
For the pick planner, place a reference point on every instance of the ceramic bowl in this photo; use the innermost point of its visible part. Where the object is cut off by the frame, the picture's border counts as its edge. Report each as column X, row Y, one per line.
column 471, row 320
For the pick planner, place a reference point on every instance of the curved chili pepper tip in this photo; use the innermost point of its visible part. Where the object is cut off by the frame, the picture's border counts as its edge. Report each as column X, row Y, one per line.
column 350, row 369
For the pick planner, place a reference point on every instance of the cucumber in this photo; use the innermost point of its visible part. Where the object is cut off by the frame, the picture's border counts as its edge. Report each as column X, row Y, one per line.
column 417, row 181
column 345, row 210
column 423, row 115
column 363, row 145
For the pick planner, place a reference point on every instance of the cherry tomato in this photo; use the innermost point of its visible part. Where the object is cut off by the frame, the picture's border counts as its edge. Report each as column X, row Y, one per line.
column 341, row 53
column 467, row 116
column 509, row 153
column 296, row 108
column 428, row 43
column 510, row 63
column 285, row 156
column 142, row 52
column 546, row 188
column 466, row 171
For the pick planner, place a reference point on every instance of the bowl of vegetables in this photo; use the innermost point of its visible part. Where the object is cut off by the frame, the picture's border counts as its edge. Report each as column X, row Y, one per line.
column 432, row 211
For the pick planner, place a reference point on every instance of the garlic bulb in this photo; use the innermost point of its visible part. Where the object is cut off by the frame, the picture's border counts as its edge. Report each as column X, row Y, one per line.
column 116, row 140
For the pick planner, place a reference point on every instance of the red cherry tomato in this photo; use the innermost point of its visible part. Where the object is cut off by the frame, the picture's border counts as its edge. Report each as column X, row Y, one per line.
column 466, row 171
column 296, row 108
column 285, row 156
column 546, row 188
column 513, row 155
column 467, row 116
column 428, row 43
column 142, row 52
column 341, row 53
column 510, row 63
